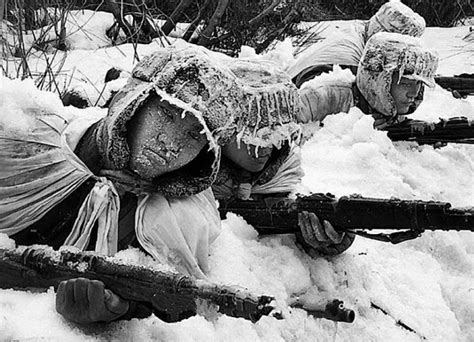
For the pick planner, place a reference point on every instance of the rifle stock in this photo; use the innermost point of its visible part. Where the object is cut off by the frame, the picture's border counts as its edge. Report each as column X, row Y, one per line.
column 172, row 296
column 455, row 130
column 278, row 214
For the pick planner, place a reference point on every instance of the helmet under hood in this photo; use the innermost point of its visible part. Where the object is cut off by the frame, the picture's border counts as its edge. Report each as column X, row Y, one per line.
column 251, row 99
column 385, row 54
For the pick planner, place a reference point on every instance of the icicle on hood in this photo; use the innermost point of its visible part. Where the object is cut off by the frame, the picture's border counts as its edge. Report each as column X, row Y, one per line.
column 266, row 104
column 251, row 99
column 396, row 17
column 385, row 54
column 190, row 179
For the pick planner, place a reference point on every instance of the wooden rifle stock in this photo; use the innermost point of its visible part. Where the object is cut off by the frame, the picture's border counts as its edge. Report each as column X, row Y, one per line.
column 171, row 296
column 278, row 214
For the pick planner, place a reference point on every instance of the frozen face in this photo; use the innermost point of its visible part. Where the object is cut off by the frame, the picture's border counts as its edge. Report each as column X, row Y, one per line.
column 404, row 92
column 248, row 157
column 161, row 141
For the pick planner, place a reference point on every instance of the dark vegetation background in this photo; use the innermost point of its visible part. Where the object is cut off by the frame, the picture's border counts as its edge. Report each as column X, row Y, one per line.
column 226, row 25
column 221, row 25
column 443, row 13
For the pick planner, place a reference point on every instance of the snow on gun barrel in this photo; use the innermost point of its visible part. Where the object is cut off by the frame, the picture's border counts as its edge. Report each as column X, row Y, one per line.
column 170, row 296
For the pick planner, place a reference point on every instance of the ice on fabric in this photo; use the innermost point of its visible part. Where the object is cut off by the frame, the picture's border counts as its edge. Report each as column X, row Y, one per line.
column 385, row 54
column 394, row 16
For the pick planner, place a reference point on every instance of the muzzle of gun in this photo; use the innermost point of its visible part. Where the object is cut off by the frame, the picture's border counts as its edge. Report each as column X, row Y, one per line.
column 333, row 310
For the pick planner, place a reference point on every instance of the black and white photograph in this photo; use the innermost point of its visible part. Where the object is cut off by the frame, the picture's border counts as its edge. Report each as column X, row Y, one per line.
column 246, row 170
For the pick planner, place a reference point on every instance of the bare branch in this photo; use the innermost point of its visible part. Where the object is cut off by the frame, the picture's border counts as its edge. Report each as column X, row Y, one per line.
column 215, row 20
column 117, row 13
column 255, row 21
column 170, row 24
column 190, row 30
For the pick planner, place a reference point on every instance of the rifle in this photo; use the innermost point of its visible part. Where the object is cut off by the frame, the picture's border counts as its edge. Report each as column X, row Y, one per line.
column 170, row 296
column 454, row 130
column 278, row 214
column 463, row 83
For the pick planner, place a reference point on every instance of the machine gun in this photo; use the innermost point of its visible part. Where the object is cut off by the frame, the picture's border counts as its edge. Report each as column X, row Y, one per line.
column 278, row 214
column 170, row 296
column 454, row 130
column 463, row 84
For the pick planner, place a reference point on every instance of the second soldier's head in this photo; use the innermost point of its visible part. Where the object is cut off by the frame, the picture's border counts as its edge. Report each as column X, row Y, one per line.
column 393, row 71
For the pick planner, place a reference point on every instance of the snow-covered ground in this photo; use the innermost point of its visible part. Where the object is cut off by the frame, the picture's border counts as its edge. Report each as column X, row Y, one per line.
column 415, row 291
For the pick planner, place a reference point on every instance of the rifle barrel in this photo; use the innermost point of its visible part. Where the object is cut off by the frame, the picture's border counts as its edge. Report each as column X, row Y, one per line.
column 462, row 84
column 455, row 130
column 277, row 214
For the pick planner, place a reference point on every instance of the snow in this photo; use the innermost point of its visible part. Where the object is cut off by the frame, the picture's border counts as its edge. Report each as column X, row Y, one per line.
column 369, row 164
column 414, row 291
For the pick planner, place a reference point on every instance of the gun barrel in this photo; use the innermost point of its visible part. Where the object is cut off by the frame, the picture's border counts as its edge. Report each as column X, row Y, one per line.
column 359, row 212
column 277, row 214
column 333, row 310
column 336, row 311
column 455, row 130
column 464, row 85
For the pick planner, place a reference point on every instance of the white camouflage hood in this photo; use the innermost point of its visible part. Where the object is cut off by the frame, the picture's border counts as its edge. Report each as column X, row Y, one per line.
column 385, row 54
column 254, row 100
column 396, row 17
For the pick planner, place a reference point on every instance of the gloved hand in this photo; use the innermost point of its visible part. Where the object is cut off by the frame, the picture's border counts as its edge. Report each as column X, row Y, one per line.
column 321, row 238
column 85, row 301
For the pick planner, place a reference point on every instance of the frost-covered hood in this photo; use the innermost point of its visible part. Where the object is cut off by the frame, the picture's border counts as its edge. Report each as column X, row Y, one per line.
column 385, row 54
column 251, row 99
column 396, row 17
column 188, row 180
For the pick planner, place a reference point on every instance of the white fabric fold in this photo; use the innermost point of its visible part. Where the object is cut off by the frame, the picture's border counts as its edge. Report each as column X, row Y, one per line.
column 179, row 231
column 38, row 170
column 287, row 177
column 101, row 205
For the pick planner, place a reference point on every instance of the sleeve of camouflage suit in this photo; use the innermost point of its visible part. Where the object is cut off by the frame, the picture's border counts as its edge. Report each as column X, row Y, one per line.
column 326, row 94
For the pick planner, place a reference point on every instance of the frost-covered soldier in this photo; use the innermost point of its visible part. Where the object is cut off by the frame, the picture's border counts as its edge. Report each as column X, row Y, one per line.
column 389, row 82
column 260, row 155
column 139, row 176
column 345, row 47
column 253, row 104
